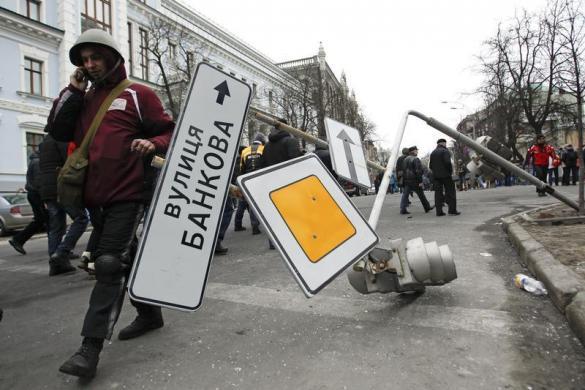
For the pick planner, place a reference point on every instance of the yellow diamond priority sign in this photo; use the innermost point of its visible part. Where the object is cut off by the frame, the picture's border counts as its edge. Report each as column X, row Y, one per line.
column 309, row 218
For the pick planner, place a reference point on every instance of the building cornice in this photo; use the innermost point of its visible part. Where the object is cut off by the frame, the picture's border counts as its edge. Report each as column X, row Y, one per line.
column 238, row 49
column 21, row 25
column 24, row 108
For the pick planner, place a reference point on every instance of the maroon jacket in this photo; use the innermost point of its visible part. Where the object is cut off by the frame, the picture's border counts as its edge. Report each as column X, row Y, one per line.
column 115, row 174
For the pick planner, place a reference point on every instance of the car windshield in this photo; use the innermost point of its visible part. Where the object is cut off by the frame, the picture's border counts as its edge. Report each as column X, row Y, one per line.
column 15, row 198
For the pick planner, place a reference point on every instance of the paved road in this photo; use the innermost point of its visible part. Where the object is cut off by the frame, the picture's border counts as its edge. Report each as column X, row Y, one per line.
column 257, row 331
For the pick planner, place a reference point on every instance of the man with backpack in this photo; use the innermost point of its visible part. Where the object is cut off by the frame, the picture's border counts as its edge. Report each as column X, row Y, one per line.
column 250, row 160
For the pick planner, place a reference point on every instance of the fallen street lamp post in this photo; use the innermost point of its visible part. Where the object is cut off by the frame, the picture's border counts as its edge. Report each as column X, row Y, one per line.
column 400, row 266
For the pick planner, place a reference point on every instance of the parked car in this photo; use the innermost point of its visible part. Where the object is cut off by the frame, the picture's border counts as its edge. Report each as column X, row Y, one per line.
column 351, row 189
column 15, row 212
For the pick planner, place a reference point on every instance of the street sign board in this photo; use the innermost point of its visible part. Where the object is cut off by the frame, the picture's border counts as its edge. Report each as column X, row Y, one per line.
column 309, row 218
column 347, row 154
column 180, row 232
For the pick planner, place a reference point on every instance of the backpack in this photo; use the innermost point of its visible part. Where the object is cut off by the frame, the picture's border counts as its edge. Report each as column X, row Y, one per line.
column 252, row 160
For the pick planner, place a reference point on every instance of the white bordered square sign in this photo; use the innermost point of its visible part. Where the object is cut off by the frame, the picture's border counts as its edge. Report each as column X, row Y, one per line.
column 309, row 218
column 347, row 154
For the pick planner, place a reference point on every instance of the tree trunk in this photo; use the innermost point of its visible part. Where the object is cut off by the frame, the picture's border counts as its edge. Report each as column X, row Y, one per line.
column 580, row 154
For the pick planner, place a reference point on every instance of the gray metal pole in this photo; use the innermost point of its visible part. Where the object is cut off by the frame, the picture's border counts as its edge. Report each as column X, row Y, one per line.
column 381, row 195
column 493, row 157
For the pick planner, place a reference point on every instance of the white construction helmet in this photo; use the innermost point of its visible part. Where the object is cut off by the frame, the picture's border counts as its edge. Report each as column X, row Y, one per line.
column 92, row 36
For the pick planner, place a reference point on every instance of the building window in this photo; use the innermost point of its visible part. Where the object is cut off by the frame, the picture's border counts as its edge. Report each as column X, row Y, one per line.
column 96, row 14
column 130, row 50
column 254, row 87
column 172, row 51
column 31, row 9
column 270, row 98
column 33, row 76
column 144, row 53
column 33, row 140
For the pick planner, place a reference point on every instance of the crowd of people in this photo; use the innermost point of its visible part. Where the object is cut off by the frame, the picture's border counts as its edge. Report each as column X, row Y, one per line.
column 550, row 164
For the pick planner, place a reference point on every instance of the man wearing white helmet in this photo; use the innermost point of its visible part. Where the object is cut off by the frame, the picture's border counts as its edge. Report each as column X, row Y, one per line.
column 116, row 186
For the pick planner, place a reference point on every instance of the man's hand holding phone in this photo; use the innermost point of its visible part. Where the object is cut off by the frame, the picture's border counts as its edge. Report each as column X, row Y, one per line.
column 79, row 78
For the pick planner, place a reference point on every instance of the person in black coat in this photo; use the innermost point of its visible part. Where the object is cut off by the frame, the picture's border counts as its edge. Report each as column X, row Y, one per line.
column 39, row 222
column 570, row 171
column 413, row 181
column 400, row 168
column 325, row 156
column 443, row 184
column 281, row 146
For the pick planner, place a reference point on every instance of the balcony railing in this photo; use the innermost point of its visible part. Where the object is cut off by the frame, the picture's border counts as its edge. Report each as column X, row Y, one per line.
column 298, row 63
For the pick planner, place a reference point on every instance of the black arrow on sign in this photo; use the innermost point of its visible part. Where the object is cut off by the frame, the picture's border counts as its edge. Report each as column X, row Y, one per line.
column 344, row 137
column 222, row 91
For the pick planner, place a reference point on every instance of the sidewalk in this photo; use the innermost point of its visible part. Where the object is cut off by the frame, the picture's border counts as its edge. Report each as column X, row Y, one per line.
column 554, row 254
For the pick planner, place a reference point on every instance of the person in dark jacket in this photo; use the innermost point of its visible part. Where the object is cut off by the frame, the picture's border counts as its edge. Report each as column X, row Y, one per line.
column 135, row 126
column 570, row 170
column 442, row 169
column 61, row 240
column 400, row 169
column 40, row 219
column 281, row 146
column 325, row 156
column 413, row 181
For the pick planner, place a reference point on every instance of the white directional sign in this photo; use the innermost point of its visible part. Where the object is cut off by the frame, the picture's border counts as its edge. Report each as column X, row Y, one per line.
column 309, row 218
column 347, row 154
column 180, row 232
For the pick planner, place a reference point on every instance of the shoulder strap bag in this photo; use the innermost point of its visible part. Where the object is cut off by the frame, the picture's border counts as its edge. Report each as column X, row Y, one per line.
column 71, row 179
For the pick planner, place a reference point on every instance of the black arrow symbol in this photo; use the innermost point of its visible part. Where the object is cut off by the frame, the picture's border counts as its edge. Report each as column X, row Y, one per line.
column 343, row 136
column 222, row 91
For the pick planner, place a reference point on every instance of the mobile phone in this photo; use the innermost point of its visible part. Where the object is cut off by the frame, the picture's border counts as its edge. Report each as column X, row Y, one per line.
column 81, row 74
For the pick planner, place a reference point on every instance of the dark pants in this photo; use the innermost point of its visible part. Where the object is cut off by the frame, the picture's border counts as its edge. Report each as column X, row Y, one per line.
column 570, row 173
column 116, row 231
column 226, row 217
column 243, row 206
column 540, row 172
column 461, row 181
column 58, row 226
column 445, row 193
column 408, row 188
column 553, row 172
column 39, row 222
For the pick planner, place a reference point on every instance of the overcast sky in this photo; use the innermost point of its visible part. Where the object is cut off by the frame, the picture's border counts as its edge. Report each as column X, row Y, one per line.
column 397, row 55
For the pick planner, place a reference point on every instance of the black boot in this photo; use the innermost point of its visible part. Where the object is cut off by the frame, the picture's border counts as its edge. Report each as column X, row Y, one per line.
column 59, row 264
column 84, row 362
column 147, row 320
column 255, row 230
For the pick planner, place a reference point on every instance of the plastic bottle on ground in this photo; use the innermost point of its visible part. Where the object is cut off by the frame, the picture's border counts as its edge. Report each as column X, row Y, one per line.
column 529, row 284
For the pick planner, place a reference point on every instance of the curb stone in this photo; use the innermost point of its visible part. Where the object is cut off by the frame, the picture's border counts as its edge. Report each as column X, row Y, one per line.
column 575, row 313
column 566, row 289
